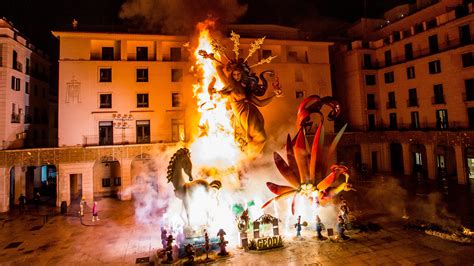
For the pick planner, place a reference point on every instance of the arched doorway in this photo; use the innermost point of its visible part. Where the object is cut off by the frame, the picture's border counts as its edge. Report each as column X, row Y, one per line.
column 445, row 162
column 418, row 160
column 396, row 158
column 107, row 177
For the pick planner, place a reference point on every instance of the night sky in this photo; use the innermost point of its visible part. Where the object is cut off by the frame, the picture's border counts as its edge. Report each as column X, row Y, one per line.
column 37, row 18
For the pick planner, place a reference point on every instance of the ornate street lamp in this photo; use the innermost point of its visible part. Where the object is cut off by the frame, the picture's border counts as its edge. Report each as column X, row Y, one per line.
column 122, row 123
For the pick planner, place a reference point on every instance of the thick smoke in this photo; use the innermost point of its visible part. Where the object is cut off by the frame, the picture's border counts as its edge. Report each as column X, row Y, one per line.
column 179, row 16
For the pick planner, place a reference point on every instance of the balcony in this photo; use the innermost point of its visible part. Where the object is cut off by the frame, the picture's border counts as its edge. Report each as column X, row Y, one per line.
column 391, row 105
column 468, row 97
column 443, row 47
column 439, row 99
column 15, row 118
column 412, row 102
column 18, row 66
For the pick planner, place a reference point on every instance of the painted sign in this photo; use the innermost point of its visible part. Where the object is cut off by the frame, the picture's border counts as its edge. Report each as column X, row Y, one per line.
column 269, row 242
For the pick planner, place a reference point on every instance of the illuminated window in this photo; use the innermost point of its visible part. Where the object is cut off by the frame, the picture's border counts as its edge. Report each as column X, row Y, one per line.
column 143, row 131
column 177, row 130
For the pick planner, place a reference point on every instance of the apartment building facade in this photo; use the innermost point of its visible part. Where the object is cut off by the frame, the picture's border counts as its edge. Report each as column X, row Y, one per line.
column 26, row 109
column 408, row 82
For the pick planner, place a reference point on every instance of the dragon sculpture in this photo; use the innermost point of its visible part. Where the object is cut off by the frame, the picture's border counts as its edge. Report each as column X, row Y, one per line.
column 305, row 167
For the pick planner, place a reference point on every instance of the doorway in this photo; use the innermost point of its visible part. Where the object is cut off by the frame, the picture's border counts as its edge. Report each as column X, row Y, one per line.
column 12, row 187
column 396, row 158
column 75, row 185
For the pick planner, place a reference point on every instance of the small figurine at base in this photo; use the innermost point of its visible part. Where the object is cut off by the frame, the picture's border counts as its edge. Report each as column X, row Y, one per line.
column 298, row 227
column 206, row 246
column 340, row 227
column 169, row 249
column 222, row 243
column 319, row 228
column 189, row 251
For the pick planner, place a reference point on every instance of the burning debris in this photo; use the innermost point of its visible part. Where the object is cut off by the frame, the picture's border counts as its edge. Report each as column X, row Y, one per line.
column 462, row 234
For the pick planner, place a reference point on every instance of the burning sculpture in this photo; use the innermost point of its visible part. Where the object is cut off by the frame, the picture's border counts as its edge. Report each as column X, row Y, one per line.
column 181, row 161
column 304, row 166
column 242, row 89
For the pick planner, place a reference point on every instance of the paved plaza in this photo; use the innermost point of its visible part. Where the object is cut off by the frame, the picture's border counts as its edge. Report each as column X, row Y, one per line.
column 32, row 239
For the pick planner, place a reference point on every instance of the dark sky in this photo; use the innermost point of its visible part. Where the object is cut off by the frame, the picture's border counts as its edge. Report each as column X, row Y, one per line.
column 37, row 17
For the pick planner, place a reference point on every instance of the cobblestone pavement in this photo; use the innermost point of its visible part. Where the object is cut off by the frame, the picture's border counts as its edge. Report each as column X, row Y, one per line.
column 117, row 240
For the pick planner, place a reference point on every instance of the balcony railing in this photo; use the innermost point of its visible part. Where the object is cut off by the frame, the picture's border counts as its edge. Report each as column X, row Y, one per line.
column 15, row 118
column 118, row 139
column 433, row 126
column 438, row 99
column 468, row 97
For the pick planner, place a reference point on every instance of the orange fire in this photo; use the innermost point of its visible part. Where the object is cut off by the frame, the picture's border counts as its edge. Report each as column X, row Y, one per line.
column 215, row 145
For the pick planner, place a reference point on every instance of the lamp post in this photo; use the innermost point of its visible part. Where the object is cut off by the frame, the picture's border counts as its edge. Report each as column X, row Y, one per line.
column 121, row 123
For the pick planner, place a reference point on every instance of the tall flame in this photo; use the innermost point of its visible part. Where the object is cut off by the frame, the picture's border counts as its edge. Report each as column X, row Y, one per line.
column 215, row 146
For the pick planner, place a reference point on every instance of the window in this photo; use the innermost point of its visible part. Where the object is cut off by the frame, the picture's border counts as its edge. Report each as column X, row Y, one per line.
column 27, row 66
column 27, row 87
column 431, row 24
column 396, row 36
column 175, row 54
column 465, row 34
column 467, row 59
column 371, row 120
column 411, row 72
column 142, row 53
column 470, row 116
column 367, row 61
column 434, row 67
column 266, row 53
column 176, row 75
column 15, row 85
column 438, row 94
column 106, row 133
column 105, row 100
column 433, row 42
column 36, row 115
column 388, row 58
column 419, row 28
column 107, row 53
column 143, row 131
column 142, row 100
column 442, row 119
column 15, row 60
column 299, row 94
column 369, row 80
column 142, row 75
column 298, row 75
column 27, row 114
column 412, row 98
column 393, row 121
column 415, row 120
column 391, row 100
column 408, row 51
column 389, row 77
column 292, row 56
column 469, row 86
column 105, row 182
column 371, row 101
column 177, row 130
column 117, row 181
column 175, row 99
column 105, row 75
